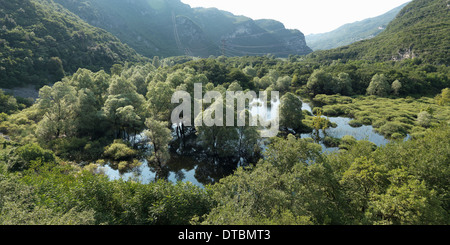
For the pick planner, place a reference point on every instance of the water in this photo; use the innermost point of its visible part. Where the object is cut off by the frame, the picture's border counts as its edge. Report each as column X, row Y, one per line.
column 145, row 175
column 200, row 173
column 343, row 128
column 269, row 113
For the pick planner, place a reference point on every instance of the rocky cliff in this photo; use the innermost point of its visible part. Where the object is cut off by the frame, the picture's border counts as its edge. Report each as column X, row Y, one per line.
column 171, row 28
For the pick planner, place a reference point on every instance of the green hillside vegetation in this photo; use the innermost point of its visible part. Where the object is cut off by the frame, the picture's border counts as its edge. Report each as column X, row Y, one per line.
column 41, row 42
column 86, row 112
column 58, row 146
column 53, row 153
column 147, row 26
column 419, row 30
column 170, row 28
column 353, row 32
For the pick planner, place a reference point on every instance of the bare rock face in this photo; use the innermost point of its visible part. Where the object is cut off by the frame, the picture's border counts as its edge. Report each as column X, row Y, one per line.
column 191, row 39
column 404, row 54
column 250, row 38
column 170, row 28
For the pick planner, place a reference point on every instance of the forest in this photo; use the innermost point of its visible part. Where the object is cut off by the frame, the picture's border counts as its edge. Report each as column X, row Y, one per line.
column 52, row 156
column 99, row 147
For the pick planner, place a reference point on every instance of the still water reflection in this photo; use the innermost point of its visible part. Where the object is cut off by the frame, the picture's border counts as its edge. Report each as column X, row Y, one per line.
column 200, row 171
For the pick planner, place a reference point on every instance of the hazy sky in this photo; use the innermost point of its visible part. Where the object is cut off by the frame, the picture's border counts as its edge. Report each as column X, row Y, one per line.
column 308, row 16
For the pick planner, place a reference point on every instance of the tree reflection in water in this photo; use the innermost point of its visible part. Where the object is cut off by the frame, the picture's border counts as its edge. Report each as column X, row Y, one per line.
column 188, row 161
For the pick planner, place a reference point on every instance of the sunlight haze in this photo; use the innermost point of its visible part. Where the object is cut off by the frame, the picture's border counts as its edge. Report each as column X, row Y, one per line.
column 310, row 17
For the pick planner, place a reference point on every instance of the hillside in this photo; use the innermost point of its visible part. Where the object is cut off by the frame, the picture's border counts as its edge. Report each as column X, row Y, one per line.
column 41, row 42
column 420, row 30
column 353, row 32
column 170, row 28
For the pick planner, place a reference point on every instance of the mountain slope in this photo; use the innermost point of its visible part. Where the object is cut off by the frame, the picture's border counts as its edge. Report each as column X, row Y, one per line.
column 171, row 28
column 421, row 30
column 40, row 41
column 353, row 32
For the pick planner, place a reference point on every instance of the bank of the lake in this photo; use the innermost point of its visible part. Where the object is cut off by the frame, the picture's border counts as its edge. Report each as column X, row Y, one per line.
column 200, row 173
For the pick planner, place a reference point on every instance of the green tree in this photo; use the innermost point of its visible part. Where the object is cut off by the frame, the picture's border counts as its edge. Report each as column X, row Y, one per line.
column 138, row 80
column 119, row 151
column 344, row 84
column 217, row 140
column 156, row 62
column 176, row 78
column 8, row 104
column 159, row 136
column 88, row 117
column 295, row 81
column 129, row 121
column 283, row 84
column 55, row 67
column 248, row 136
column 241, row 77
column 361, row 180
column 122, row 93
column 235, row 87
column 396, row 86
column 317, row 82
column 57, row 104
column 159, row 97
column 424, row 119
column 29, row 154
column 284, row 154
column 291, row 114
column 319, row 123
column 283, row 189
column 443, row 98
column 116, row 69
column 379, row 85
column 250, row 71
column 407, row 201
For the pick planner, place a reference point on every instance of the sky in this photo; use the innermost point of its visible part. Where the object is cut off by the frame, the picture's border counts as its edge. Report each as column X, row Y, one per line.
column 308, row 16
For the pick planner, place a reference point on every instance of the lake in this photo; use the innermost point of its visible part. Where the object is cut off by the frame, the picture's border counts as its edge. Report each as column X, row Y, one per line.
column 186, row 168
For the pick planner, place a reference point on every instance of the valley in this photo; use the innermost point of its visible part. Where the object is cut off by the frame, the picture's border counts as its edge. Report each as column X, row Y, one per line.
column 363, row 129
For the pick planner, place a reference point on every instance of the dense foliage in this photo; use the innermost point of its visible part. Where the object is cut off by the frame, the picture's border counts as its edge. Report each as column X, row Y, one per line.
column 292, row 183
column 53, row 152
column 402, row 183
column 352, row 32
column 41, row 42
column 171, row 28
column 399, row 116
column 419, row 30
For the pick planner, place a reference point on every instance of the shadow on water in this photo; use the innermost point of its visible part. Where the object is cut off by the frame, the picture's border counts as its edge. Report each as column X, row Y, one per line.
column 188, row 163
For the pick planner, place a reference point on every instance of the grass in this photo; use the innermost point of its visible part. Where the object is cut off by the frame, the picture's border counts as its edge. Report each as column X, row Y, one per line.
column 392, row 117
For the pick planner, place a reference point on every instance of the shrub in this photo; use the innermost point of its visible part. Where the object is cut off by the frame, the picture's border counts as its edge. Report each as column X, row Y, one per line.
column 330, row 112
column 33, row 152
column 331, row 141
column 355, row 123
column 424, row 119
column 397, row 136
column 347, row 141
column 405, row 120
column 29, row 154
column 378, row 123
column 366, row 120
column 307, row 113
column 390, row 128
column 119, row 151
